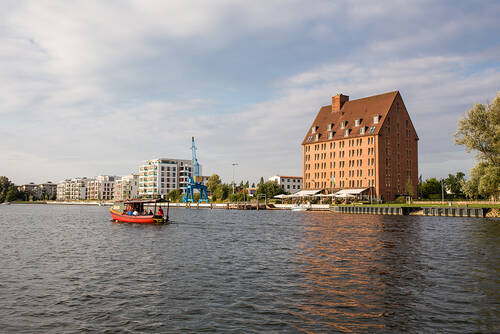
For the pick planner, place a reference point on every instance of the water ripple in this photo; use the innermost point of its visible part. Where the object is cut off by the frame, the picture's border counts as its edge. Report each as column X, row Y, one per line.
column 68, row 269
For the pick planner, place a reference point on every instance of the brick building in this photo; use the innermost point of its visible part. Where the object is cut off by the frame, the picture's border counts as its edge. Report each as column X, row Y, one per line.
column 362, row 144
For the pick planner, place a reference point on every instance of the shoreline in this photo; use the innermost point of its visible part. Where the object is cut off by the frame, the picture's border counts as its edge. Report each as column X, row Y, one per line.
column 474, row 211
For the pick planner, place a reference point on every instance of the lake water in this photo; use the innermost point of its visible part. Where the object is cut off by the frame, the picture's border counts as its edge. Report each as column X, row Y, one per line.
column 69, row 269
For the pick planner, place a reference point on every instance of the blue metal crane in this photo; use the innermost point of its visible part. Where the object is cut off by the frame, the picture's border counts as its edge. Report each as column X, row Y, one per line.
column 195, row 180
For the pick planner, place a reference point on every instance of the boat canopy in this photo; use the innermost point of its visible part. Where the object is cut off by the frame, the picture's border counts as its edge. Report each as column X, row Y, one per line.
column 145, row 201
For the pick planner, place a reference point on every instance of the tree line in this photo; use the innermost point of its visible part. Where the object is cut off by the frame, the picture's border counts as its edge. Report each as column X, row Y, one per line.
column 220, row 191
column 479, row 132
column 9, row 192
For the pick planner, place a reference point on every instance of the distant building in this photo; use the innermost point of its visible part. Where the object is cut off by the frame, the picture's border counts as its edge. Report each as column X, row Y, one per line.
column 101, row 188
column 368, row 143
column 126, row 187
column 72, row 189
column 31, row 189
column 47, row 190
column 63, row 190
column 251, row 191
column 160, row 176
column 291, row 184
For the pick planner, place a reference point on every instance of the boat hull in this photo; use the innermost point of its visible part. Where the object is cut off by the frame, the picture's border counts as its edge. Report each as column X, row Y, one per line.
column 121, row 218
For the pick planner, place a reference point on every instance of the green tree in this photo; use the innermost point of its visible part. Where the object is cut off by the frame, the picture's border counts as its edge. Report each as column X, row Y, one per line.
column 222, row 192
column 261, row 182
column 175, row 195
column 453, row 183
column 484, row 181
column 213, row 182
column 11, row 195
column 479, row 131
column 431, row 187
column 5, row 185
column 253, row 184
column 270, row 189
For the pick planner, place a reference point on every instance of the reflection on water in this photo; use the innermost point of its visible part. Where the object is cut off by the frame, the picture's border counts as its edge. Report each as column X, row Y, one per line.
column 68, row 269
column 377, row 273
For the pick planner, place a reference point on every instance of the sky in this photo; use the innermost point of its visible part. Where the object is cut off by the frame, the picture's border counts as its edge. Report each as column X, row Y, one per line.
column 97, row 87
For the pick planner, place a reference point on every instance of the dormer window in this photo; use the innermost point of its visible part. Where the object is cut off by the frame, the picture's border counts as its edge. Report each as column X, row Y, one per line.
column 329, row 127
column 346, row 132
column 309, row 138
column 376, row 119
column 342, row 124
column 316, row 138
column 313, row 129
column 356, row 122
column 330, row 135
column 362, row 130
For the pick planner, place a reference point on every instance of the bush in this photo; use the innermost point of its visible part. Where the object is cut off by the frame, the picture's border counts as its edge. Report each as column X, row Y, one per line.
column 400, row 200
column 435, row 196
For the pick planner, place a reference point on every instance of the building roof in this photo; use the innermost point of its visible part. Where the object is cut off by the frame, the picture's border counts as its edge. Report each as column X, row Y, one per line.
column 364, row 109
column 292, row 177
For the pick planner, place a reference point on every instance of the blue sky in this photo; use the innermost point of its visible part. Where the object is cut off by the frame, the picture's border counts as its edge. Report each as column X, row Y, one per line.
column 94, row 87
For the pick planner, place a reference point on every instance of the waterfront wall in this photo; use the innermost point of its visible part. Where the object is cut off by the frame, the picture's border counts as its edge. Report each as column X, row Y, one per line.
column 425, row 211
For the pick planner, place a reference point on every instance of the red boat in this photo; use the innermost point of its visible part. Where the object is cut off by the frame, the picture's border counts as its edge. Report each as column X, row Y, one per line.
column 134, row 212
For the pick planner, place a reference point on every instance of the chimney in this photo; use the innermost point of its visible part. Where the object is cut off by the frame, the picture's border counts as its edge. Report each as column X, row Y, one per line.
column 338, row 101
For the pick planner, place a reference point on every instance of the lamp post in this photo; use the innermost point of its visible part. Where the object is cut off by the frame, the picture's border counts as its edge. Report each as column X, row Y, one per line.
column 442, row 192
column 234, row 164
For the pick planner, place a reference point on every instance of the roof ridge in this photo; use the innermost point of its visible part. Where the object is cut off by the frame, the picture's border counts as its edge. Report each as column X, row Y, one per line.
column 370, row 97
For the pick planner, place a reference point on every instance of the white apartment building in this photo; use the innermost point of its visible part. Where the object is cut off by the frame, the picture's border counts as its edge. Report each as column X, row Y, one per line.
column 72, row 190
column 61, row 190
column 160, row 176
column 101, row 188
column 126, row 187
column 291, row 184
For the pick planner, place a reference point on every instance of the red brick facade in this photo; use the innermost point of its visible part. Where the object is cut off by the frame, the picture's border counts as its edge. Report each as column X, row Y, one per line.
column 369, row 142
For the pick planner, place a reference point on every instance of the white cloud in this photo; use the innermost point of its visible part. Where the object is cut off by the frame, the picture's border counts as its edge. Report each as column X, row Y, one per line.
column 83, row 87
column 437, row 91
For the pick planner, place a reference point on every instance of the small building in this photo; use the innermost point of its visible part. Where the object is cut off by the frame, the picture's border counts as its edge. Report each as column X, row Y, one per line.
column 251, row 191
column 290, row 184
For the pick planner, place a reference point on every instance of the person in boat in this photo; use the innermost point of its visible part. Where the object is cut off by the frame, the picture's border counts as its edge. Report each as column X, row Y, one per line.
column 150, row 212
column 160, row 212
column 130, row 212
column 135, row 213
